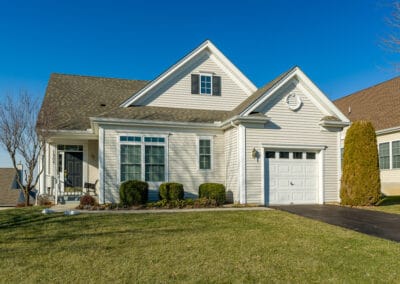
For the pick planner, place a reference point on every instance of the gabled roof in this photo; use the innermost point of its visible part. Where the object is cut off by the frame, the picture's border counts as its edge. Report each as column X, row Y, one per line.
column 312, row 91
column 379, row 104
column 8, row 195
column 207, row 45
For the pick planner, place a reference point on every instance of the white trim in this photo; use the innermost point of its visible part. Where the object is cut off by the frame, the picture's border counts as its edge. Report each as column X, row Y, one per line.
column 211, row 138
column 101, row 166
column 326, row 105
column 339, row 164
column 242, row 163
column 263, row 185
column 321, row 191
column 310, row 147
column 388, row 130
column 246, row 84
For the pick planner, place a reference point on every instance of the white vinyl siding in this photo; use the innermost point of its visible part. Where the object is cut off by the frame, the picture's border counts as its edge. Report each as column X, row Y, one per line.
column 292, row 127
column 384, row 156
column 180, row 166
column 176, row 90
column 231, row 164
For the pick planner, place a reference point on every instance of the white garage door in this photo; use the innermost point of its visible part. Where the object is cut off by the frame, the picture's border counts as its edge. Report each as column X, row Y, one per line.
column 291, row 177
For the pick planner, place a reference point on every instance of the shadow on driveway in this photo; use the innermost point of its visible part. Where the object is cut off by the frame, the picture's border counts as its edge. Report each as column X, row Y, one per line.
column 379, row 224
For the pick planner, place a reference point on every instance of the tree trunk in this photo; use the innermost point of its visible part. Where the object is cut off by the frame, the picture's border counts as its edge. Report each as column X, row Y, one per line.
column 26, row 195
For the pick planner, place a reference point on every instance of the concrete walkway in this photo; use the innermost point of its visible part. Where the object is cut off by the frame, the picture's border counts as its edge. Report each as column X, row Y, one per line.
column 63, row 208
column 375, row 223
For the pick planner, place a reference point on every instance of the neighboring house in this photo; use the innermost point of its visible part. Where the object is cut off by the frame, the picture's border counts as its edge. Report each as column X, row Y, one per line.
column 9, row 192
column 200, row 121
column 380, row 104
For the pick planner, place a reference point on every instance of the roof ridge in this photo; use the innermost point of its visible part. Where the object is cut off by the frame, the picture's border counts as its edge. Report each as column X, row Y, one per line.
column 367, row 88
column 96, row 77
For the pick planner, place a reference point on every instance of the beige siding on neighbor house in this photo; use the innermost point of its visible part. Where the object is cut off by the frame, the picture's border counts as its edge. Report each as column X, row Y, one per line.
column 176, row 90
column 231, row 166
column 182, row 159
column 390, row 178
column 291, row 127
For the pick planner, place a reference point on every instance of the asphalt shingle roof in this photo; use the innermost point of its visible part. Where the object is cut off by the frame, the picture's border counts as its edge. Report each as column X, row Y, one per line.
column 8, row 196
column 379, row 104
column 76, row 98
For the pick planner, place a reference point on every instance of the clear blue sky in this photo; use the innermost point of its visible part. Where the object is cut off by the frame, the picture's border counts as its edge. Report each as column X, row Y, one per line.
column 336, row 43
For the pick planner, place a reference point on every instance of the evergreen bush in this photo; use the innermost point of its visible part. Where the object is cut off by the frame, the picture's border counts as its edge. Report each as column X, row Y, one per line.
column 133, row 192
column 214, row 191
column 360, row 184
column 171, row 191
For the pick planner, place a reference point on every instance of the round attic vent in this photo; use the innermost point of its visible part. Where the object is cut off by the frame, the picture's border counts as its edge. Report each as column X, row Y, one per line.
column 293, row 101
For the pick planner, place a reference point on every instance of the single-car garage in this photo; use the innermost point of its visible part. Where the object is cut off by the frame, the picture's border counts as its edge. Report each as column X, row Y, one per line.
column 291, row 176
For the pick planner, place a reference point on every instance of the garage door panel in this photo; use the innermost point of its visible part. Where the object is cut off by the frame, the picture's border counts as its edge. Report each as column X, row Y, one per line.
column 291, row 181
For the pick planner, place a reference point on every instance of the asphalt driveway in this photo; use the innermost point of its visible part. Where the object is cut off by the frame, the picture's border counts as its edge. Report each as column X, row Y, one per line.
column 379, row 224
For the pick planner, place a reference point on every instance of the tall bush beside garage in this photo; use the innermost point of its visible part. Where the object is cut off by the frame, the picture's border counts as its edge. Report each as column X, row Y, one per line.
column 360, row 184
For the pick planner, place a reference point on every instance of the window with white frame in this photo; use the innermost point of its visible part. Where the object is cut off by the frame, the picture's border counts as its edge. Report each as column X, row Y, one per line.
column 205, row 84
column 142, row 158
column 396, row 154
column 205, row 155
column 384, row 156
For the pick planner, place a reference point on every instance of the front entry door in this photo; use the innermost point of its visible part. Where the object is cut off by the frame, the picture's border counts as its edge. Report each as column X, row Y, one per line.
column 73, row 172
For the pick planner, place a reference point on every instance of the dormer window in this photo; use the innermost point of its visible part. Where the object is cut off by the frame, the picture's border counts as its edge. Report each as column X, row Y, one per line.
column 206, row 84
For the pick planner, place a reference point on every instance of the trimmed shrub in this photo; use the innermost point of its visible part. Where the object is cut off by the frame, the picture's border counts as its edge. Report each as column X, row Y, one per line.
column 360, row 184
column 133, row 192
column 86, row 200
column 214, row 191
column 171, row 191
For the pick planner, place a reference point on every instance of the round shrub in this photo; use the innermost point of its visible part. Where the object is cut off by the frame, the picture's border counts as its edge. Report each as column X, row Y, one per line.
column 134, row 192
column 214, row 191
column 171, row 191
column 360, row 183
column 86, row 200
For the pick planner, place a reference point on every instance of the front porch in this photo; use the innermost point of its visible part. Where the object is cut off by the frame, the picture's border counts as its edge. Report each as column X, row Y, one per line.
column 70, row 170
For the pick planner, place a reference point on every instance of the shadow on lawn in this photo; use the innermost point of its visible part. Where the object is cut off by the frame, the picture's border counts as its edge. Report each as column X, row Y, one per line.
column 389, row 200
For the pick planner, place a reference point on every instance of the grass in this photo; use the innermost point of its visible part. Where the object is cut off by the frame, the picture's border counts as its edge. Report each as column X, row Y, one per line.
column 205, row 247
column 389, row 204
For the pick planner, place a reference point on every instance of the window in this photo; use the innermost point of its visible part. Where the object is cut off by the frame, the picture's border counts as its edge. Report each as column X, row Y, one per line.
column 269, row 155
column 396, row 154
column 205, row 84
column 297, row 155
column 155, row 165
column 131, row 162
column 384, row 156
column 142, row 158
column 283, row 155
column 70, row 148
column 205, row 154
column 310, row 156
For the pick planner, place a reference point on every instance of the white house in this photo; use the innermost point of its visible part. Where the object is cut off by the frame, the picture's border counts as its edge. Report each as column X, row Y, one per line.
column 202, row 120
column 380, row 104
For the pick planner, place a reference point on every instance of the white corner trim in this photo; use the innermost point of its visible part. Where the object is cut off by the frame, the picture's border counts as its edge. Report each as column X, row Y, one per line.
column 321, row 177
column 339, row 164
column 101, row 166
column 205, row 45
column 242, row 163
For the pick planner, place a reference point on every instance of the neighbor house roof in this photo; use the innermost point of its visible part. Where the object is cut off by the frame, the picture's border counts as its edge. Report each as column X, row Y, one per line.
column 379, row 104
column 8, row 195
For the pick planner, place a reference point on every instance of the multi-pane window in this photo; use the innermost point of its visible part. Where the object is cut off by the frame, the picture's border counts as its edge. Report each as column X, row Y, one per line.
column 310, row 156
column 155, row 163
column 205, row 84
column 142, row 158
column 297, row 155
column 396, row 154
column 204, row 154
column 283, row 155
column 131, row 162
column 384, row 156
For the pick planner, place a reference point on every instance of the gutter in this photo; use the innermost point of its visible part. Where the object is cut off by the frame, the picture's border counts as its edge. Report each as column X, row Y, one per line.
column 388, row 130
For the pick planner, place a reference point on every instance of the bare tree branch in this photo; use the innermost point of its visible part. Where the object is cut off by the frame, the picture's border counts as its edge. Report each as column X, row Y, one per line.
column 24, row 133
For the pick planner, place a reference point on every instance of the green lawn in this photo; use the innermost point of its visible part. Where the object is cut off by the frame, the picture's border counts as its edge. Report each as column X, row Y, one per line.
column 389, row 204
column 240, row 246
